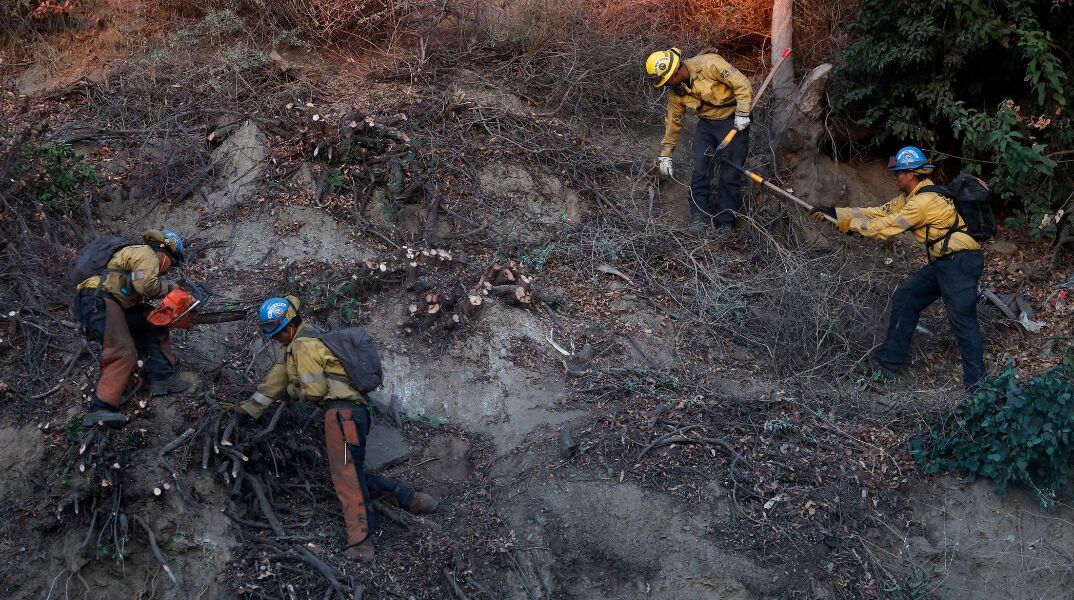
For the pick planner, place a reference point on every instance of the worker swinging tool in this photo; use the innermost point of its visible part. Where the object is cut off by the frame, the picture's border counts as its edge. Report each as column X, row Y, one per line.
column 951, row 222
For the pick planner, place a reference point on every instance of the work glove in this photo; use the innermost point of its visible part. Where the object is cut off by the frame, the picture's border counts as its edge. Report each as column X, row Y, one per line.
column 663, row 164
column 741, row 122
column 819, row 212
column 843, row 226
column 250, row 408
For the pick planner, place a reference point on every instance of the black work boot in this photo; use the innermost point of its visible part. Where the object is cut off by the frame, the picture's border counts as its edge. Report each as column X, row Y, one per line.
column 173, row 384
column 100, row 413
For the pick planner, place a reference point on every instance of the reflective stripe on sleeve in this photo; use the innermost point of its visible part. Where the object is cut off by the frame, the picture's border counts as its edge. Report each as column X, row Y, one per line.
column 261, row 399
column 314, row 378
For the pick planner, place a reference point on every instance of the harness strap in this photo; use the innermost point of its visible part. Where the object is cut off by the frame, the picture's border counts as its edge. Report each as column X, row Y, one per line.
column 959, row 226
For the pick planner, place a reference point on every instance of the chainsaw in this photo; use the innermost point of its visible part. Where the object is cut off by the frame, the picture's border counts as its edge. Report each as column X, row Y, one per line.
column 179, row 308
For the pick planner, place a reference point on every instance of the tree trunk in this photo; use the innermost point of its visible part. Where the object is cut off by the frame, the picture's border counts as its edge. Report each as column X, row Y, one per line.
column 783, row 38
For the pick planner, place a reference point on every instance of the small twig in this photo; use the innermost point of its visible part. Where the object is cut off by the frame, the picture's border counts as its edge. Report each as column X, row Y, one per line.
column 328, row 572
column 92, row 528
column 399, row 517
column 179, row 441
column 155, row 548
column 233, row 419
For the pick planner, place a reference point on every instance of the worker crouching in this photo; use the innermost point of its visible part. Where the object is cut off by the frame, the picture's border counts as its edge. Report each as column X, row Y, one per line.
column 113, row 279
column 334, row 378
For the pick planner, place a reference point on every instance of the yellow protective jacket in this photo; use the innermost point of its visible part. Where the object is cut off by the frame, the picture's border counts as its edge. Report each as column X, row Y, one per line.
column 716, row 90
column 133, row 276
column 309, row 371
column 928, row 215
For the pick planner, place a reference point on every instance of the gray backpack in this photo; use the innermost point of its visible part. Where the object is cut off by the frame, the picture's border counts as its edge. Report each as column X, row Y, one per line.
column 93, row 260
column 355, row 349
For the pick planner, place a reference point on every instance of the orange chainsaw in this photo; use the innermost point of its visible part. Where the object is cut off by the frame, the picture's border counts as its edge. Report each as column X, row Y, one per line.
column 179, row 309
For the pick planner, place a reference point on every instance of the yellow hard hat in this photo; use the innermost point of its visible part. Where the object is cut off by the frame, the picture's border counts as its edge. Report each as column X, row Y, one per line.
column 662, row 64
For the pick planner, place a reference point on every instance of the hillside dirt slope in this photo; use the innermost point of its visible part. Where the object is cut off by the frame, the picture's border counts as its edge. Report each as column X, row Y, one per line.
column 639, row 413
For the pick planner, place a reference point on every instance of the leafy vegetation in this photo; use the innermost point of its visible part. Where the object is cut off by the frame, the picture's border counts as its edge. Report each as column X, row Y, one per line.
column 984, row 83
column 65, row 171
column 1010, row 431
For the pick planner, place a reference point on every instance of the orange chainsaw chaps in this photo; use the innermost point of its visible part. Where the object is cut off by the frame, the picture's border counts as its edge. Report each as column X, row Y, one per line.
column 171, row 306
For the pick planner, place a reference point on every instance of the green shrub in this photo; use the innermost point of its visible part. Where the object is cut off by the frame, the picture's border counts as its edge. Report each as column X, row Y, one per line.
column 988, row 82
column 64, row 173
column 1010, row 431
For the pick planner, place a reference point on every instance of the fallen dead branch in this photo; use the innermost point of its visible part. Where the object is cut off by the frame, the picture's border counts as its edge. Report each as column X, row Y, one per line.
column 264, row 504
column 707, row 441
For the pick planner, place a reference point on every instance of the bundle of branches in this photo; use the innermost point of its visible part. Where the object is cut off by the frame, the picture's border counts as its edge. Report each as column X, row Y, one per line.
column 363, row 154
column 488, row 133
column 436, row 307
column 444, row 292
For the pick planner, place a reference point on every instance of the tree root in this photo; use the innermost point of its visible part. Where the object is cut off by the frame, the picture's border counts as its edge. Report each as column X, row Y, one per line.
column 454, row 583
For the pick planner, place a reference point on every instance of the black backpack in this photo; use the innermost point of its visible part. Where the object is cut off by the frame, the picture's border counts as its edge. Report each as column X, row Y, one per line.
column 971, row 196
column 93, row 260
column 355, row 349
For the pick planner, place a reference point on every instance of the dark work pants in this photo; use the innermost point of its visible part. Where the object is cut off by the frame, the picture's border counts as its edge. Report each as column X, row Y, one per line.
column 707, row 167
column 346, row 427
column 955, row 280
column 124, row 335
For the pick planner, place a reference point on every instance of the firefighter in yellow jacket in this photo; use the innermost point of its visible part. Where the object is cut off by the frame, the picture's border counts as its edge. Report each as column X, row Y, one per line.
column 953, row 271
column 111, row 306
column 723, row 98
column 311, row 372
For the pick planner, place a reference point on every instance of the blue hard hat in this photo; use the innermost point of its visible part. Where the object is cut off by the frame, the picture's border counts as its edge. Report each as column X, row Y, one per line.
column 910, row 158
column 174, row 242
column 274, row 315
